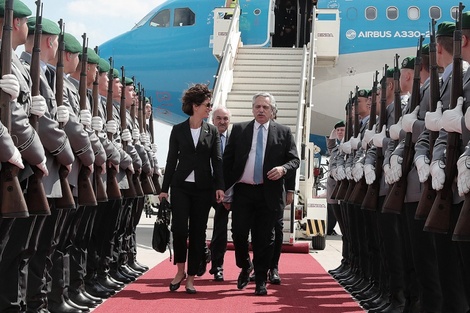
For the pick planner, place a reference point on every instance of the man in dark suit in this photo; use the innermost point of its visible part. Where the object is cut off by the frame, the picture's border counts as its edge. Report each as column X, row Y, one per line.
column 260, row 155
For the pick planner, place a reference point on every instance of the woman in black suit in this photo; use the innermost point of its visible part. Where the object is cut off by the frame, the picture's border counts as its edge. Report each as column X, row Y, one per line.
column 193, row 170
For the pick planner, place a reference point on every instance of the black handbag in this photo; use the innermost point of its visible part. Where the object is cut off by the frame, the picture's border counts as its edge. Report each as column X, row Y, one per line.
column 161, row 229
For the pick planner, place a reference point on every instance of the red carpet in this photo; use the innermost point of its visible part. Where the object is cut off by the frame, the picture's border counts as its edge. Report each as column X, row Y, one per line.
column 306, row 287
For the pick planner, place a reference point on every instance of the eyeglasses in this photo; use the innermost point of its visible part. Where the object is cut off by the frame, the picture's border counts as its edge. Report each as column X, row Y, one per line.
column 207, row 105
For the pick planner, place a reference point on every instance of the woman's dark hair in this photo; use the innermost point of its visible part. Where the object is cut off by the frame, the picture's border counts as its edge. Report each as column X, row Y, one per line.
column 196, row 94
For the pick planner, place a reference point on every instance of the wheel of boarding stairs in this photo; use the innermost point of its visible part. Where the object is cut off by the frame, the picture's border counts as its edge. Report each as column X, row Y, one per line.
column 318, row 242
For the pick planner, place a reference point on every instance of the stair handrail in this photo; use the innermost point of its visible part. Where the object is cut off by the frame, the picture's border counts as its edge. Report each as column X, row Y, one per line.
column 224, row 77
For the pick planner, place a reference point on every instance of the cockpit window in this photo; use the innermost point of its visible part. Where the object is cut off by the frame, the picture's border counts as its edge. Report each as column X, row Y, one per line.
column 435, row 13
column 184, row 17
column 143, row 20
column 161, row 19
column 413, row 13
column 392, row 13
column 371, row 13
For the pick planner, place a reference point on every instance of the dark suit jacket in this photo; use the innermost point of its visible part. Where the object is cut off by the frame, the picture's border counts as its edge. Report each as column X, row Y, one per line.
column 280, row 151
column 205, row 160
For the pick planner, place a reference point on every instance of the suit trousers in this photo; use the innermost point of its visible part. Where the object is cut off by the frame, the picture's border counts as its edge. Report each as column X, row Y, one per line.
column 250, row 212
column 219, row 237
column 278, row 238
column 190, row 211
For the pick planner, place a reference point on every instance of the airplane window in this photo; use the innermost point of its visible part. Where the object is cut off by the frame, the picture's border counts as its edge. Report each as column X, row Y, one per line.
column 161, row 19
column 453, row 12
column 435, row 13
column 413, row 13
column 184, row 17
column 371, row 13
column 392, row 13
column 143, row 20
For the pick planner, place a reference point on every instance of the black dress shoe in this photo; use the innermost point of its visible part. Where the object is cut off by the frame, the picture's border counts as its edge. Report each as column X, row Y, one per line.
column 253, row 277
column 191, row 291
column 80, row 299
column 261, row 289
column 219, row 276
column 137, row 268
column 129, row 272
column 174, row 287
column 118, row 276
column 89, row 296
column 273, row 277
column 244, row 277
column 202, row 268
column 141, row 265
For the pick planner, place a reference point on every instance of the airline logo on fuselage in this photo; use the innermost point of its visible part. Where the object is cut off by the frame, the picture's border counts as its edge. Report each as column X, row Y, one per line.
column 351, row 34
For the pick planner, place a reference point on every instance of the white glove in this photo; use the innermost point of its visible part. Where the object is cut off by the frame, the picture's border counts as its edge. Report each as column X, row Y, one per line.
column 131, row 168
column 395, row 169
column 451, row 120
column 409, row 119
column 38, row 105
column 154, row 148
column 97, row 123
column 111, row 126
column 334, row 173
column 438, row 174
column 357, row 171
column 432, row 119
column 9, row 84
column 355, row 142
column 368, row 134
column 333, row 134
column 340, row 173
column 463, row 176
column 467, row 119
column 62, row 114
column 345, row 147
column 369, row 173
column 42, row 166
column 126, row 135
column 135, row 134
column 85, row 117
column 422, row 166
column 118, row 145
column 144, row 139
column 16, row 159
column 378, row 138
column 394, row 130
column 386, row 174
column 348, row 173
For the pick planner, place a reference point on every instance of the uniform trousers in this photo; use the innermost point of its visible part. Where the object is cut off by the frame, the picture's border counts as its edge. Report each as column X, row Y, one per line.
column 218, row 244
column 341, row 212
column 135, row 219
column 250, row 212
column 425, row 260
column 5, row 227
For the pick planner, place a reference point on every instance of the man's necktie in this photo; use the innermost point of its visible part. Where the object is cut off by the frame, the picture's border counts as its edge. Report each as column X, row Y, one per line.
column 222, row 143
column 258, row 170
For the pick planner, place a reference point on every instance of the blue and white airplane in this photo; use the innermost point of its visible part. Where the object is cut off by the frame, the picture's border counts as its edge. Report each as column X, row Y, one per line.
column 171, row 47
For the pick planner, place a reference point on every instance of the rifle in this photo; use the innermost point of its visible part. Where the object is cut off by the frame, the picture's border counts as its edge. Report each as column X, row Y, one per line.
column 439, row 217
column 112, row 186
column 360, row 190
column 396, row 195
column 342, row 186
column 86, row 196
column 67, row 201
column 155, row 176
column 98, row 185
column 429, row 194
column 372, row 196
column 352, row 182
column 147, row 183
column 12, row 202
column 132, row 192
column 36, row 198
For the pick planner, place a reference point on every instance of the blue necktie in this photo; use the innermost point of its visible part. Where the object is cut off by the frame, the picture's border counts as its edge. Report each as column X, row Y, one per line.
column 258, row 170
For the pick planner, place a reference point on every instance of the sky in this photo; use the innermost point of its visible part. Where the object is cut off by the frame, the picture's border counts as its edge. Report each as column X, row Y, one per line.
column 102, row 20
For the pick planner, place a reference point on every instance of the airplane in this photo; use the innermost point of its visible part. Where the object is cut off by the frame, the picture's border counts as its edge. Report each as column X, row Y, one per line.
column 171, row 47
